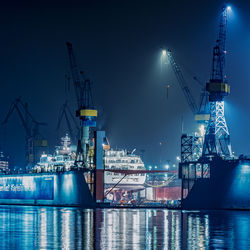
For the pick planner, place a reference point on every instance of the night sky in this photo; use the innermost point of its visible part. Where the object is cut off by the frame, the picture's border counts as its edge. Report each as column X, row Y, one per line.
column 118, row 46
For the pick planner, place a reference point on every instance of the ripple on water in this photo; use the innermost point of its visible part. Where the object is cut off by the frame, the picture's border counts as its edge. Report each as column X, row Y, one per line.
column 23, row 227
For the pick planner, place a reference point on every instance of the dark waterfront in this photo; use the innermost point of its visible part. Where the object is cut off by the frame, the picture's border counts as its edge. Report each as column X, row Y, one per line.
column 71, row 228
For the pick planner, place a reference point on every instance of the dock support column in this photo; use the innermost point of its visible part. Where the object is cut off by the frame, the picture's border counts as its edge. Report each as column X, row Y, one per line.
column 99, row 166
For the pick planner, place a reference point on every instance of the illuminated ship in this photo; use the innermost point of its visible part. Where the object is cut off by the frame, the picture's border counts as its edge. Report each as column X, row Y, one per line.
column 62, row 160
column 53, row 181
column 123, row 160
column 4, row 163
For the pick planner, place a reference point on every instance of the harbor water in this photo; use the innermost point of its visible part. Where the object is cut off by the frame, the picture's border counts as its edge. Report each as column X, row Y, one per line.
column 27, row 227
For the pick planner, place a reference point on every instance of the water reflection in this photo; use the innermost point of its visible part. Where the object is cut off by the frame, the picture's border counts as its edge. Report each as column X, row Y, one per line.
column 69, row 228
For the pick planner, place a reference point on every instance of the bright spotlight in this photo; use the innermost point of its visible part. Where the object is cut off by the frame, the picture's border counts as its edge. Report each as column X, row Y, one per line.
column 202, row 130
column 164, row 52
column 167, row 166
column 229, row 8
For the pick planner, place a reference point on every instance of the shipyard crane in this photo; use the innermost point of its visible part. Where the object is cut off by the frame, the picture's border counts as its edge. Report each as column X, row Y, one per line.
column 200, row 112
column 33, row 138
column 66, row 113
column 85, row 109
column 217, row 137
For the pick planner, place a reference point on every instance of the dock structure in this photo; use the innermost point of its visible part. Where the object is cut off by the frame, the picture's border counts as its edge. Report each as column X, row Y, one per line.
column 211, row 176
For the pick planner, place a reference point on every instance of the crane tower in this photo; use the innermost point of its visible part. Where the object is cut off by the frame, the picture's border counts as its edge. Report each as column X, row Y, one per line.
column 33, row 139
column 217, row 137
column 85, row 110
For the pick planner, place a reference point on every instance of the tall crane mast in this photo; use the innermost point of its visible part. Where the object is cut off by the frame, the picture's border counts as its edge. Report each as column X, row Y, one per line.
column 33, row 138
column 85, row 109
column 217, row 137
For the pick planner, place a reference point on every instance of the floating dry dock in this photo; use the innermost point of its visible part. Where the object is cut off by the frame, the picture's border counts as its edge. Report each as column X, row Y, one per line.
column 69, row 188
column 216, row 184
column 77, row 186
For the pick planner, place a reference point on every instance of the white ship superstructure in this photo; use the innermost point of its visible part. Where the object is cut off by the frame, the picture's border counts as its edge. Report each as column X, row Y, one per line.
column 62, row 160
column 122, row 160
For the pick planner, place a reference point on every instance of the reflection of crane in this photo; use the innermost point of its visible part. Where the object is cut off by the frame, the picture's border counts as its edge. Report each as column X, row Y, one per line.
column 200, row 112
column 217, row 138
column 33, row 138
column 85, row 110
column 66, row 113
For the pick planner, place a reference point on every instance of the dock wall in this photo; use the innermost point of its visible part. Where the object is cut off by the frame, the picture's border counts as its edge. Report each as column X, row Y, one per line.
column 54, row 189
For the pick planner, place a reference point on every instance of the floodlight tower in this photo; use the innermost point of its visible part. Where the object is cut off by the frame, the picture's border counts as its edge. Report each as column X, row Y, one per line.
column 217, row 137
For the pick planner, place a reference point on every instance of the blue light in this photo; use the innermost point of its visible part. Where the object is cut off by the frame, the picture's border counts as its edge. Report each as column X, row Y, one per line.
column 229, row 8
column 27, row 187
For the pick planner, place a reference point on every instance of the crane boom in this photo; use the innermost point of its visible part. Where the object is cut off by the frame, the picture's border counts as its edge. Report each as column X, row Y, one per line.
column 75, row 76
column 69, row 118
column 14, row 106
column 30, row 115
column 31, row 126
column 183, row 84
column 219, row 51
column 82, row 86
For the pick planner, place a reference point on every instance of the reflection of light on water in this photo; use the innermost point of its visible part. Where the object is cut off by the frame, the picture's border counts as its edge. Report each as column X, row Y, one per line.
column 25, row 226
column 121, row 229
column 55, row 226
column 124, row 229
column 154, row 236
column 165, row 233
column 88, row 229
column 190, row 232
column 66, row 230
column 148, row 232
column 136, row 229
column 173, row 228
column 206, row 231
column 4, row 222
column 79, row 229
column 113, row 228
column 198, row 231
column 177, row 231
column 87, row 224
column 43, row 228
column 108, row 230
